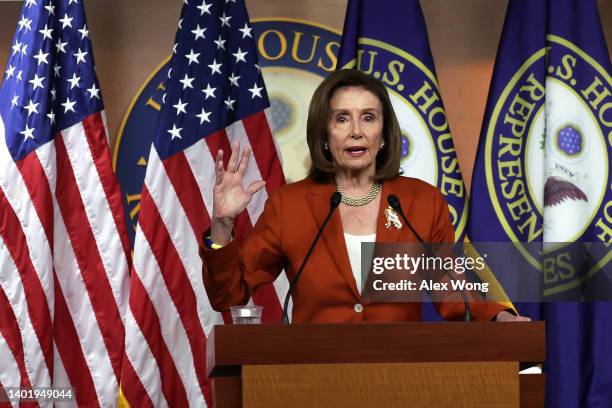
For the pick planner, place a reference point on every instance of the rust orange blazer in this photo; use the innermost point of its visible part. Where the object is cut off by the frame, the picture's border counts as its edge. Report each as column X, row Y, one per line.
column 326, row 291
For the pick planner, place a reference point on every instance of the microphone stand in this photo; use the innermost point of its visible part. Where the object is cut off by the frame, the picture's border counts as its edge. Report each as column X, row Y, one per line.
column 395, row 204
column 335, row 199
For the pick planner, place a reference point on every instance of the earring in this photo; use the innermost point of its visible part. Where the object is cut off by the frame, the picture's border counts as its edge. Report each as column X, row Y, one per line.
column 325, row 146
column 382, row 144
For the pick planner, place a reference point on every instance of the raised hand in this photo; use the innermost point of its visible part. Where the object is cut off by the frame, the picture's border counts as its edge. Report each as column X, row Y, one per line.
column 230, row 197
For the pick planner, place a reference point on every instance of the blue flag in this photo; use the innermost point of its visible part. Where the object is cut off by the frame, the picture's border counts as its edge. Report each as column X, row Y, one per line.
column 388, row 40
column 542, row 174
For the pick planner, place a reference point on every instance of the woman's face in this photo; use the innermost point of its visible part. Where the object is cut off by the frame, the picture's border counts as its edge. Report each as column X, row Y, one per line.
column 355, row 129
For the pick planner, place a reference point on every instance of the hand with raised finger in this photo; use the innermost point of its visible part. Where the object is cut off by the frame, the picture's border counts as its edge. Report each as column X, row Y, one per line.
column 230, row 197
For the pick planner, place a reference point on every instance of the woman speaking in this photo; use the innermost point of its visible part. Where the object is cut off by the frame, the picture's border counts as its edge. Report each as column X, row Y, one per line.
column 354, row 141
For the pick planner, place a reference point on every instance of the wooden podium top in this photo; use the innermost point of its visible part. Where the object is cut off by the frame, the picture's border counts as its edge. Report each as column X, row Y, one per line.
column 231, row 346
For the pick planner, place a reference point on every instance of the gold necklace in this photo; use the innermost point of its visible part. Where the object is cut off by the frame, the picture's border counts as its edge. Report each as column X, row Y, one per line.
column 358, row 202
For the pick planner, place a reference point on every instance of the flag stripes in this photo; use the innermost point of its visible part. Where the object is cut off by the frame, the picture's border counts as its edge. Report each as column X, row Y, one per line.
column 169, row 310
column 264, row 149
column 155, row 320
column 175, row 270
column 94, row 127
column 74, row 363
column 26, row 296
column 175, row 205
column 89, row 260
column 64, row 250
column 137, row 391
column 11, row 344
column 93, row 279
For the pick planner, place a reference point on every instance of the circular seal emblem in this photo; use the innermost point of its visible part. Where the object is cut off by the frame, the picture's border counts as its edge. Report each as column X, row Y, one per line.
column 428, row 152
column 547, row 153
column 294, row 56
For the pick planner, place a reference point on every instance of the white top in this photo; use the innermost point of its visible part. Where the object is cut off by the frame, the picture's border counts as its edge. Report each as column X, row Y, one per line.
column 353, row 246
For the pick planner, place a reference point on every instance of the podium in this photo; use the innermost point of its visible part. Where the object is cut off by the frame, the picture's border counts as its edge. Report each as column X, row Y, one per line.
column 443, row 364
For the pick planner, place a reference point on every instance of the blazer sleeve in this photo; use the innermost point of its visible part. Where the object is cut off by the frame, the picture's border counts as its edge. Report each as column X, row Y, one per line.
column 233, row 273
column 443, row 232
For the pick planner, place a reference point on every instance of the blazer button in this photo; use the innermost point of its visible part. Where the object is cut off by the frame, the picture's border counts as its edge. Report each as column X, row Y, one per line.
column 358, row 308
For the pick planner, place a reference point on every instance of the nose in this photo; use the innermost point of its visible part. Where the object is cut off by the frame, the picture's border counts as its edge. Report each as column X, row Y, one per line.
column 356, row 131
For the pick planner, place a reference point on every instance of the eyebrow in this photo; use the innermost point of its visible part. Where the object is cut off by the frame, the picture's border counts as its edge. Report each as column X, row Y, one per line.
column 342, row 110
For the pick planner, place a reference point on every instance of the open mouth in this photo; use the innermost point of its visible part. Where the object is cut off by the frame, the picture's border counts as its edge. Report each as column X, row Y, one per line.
column 355, row 150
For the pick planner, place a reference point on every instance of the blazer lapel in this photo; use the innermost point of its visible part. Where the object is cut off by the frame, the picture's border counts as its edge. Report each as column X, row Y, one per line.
column 333, row 236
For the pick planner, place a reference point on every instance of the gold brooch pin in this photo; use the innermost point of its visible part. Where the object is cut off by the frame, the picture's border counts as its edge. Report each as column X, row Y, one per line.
column 392, row 218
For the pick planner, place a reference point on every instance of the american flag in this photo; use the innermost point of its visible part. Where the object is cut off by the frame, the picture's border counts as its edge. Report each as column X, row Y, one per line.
column 215, row 95
column 64, row 251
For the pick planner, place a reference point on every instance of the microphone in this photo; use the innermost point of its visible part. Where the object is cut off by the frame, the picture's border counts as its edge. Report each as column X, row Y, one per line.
column 395, row 204
column 334, row 202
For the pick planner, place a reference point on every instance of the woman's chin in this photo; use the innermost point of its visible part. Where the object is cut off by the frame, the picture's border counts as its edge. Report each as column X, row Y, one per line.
column 356, row 168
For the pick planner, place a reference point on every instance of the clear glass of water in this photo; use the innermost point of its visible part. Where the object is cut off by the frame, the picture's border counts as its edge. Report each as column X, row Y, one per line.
column 246, row 314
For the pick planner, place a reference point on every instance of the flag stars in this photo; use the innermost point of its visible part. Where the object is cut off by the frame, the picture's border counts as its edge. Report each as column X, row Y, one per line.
column 61, row 46
column 10, row 71
column 68, row 105
column 255, row 91
column 50, row 8
column 53, row 93
column 239, row 55
column 56, row 69
column 66, row 21
column 94, row 92
column 187, row 82
column 19, row 75
column 41, row 57
column 180, row 107
column 36, row 82
column 16, row 47
column 31, row 108
column 215, row 67
column 28, row 133
column 204, row 116
column 220, row 43
column 30, row 3
column 25, row 23
column 80, row 56
column 229, row 102
column 209, row 92
column 225, row 20
column 246, row 31
column 175, row 132
column 204, row 8
column 24, row 49
column 234, row 80
column 198, row 32
column 192, row 57
column 51, row 116
column 74, row 81
column 15, row 101
column 46, row 32
column 84, row 32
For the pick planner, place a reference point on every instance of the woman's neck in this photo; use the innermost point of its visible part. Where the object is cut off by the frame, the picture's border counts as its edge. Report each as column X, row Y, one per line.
column 354, row 183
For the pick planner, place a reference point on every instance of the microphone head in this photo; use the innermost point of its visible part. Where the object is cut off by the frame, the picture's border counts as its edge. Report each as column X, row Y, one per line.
column 335, row 200
column 394, row 202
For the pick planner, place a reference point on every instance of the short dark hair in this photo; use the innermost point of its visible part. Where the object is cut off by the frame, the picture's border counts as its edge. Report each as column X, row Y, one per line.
column 322, row 166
